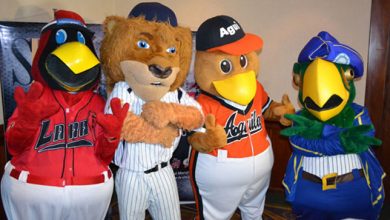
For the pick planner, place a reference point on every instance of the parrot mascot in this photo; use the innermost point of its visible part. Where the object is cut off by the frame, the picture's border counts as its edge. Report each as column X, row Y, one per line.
column 333, row 172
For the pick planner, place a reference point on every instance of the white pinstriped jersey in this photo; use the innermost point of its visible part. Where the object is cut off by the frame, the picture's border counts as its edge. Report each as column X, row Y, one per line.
column 340, row 164
column 142, row 156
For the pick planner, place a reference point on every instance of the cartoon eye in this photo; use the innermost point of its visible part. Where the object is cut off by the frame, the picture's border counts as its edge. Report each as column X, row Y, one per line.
column 80, row 37
column 243, row 61
column 297, row 79
column 349, row 74
column 143, row 44
column 171, row 50
column 61, row 36
column 226, row 66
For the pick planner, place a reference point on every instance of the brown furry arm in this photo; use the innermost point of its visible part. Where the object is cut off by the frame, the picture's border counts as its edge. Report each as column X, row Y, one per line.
column 160, row 114
column 215, row 137
column 136, row 129
column 276, row 111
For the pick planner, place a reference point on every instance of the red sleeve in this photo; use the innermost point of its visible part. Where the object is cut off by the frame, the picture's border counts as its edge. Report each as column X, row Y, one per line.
column 19, row 135
column 105, row 146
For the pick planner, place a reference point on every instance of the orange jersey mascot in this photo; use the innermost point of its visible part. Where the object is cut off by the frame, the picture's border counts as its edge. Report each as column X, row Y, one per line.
column 234, row 169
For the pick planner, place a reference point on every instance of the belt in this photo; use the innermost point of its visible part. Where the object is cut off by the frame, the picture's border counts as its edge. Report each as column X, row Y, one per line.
column 330, row 181
column 156, row 168
column 60, row 182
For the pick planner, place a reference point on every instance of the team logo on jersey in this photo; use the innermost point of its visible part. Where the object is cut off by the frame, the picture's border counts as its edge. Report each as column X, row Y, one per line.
column 236, row 132
column 55, row 139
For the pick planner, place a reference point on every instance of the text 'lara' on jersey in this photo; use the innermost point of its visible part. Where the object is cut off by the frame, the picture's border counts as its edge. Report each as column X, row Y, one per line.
column 66, row 143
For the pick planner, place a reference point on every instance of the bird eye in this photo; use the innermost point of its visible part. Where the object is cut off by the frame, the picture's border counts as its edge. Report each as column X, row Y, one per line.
column 297, row 79
column 143, row 44
column 80, row 37
column 243, row 61
column 349, row 74
column 226, row 66
column 61, row 36
column 171, row 50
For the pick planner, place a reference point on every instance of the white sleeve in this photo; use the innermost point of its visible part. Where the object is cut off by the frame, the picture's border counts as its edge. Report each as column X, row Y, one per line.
column 119, row 91
column 188, row 100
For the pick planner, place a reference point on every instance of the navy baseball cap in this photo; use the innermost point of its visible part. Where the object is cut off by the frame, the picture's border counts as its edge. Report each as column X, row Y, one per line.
column 223, row 33
column 154, row 11
column 326, row 47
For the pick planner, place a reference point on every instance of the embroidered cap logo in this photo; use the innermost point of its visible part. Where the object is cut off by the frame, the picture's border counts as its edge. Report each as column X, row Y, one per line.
column 231, row 30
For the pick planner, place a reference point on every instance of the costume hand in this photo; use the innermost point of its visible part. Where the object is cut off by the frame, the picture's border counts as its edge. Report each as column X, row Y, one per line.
column 157, row 113
column 215, row 132
column 112, row 124
column 137, row 130
column 168, row 135
column 160, row 114
column 303, row 126
column 215, row 136
column 285, row 108
column 31, row 105
column 355, row 140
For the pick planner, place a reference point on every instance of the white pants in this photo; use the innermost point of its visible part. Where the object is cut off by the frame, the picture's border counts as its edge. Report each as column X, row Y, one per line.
column 227, row 183
column 156, row 192
column 25, row 201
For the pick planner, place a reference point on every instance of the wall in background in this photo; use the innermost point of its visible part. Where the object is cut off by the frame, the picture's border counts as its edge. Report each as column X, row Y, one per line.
column 285, row 26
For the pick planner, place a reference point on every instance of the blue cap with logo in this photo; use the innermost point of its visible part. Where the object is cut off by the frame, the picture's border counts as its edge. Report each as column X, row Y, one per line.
column 326, row 47
column 154, row 11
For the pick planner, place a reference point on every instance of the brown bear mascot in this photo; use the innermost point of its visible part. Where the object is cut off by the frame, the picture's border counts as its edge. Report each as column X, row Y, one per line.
column 146, row 58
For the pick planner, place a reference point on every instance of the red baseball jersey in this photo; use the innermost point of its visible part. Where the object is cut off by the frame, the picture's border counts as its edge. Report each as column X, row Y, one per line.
column 244, row 125
column 65, row 144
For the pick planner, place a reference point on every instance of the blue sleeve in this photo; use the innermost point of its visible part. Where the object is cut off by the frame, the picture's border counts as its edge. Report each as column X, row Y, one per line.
column 327, row 145
column 363, row 118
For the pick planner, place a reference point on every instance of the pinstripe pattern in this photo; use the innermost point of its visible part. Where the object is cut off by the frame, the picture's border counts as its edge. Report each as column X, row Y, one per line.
column 137, row 191
column 340, row 164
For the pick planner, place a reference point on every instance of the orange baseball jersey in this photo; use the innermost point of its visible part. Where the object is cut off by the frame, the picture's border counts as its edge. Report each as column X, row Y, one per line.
column 244, row 125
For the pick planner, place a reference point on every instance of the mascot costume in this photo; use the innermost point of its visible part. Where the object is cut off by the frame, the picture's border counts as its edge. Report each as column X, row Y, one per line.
column 60, row 141
column 237, row 173
column 332, row 173
column 146, row 58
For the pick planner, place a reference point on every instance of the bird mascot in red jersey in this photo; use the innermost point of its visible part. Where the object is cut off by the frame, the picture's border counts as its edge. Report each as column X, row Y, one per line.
column 60, row 141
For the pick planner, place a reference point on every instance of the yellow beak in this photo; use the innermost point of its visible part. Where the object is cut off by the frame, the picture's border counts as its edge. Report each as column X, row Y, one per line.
column 323, row 91
column 79, row 63
column 240, row 88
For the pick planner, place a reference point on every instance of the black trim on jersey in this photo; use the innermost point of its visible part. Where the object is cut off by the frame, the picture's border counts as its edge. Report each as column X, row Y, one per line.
column 66, row 130
column 75, row 144
column 123, row 149
column 179, row 94
column 223, row 103
column 266, row 105
column 66, row 133
column 129, row 90
column 195, row 154
column 75, row 118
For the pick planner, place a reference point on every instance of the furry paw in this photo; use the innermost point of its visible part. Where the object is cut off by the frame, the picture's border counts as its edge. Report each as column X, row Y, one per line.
column 157, row 113
column 215, row 137
column 285, row 108
column 135, row 130
column 215, row 133
column 168, row 135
